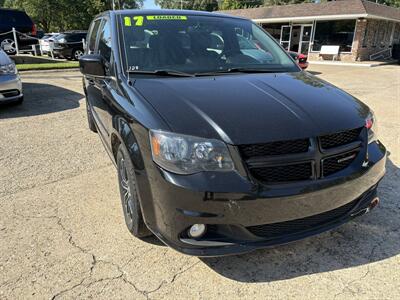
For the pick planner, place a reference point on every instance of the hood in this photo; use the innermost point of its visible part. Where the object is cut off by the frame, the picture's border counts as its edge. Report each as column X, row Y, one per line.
column 253, row 108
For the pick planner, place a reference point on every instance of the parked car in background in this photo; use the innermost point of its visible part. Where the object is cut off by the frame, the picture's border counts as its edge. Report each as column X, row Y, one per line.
column 10, row 82
column 223, row 152
column 69, row 44
column 10, row 18
column 45, row 42
column 301, row 59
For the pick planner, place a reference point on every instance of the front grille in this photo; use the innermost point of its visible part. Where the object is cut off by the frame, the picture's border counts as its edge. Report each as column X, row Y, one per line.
column 337, row 163
column 294, row 160
column 274, row 148
column 299, row 225
column 285, row 173
column 340, row 138
column 10, row 93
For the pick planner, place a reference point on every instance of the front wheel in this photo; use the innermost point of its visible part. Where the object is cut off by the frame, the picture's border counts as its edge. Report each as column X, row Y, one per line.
column 89, row 114
column 129, row 195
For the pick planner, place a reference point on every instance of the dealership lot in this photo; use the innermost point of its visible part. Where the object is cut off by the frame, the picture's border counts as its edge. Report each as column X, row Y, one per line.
column 62, row 232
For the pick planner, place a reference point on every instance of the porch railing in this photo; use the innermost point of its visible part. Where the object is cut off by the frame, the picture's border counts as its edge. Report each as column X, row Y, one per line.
column 383, row 54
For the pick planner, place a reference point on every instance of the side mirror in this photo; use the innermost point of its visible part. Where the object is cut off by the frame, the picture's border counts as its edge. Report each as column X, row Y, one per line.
column 92, row 64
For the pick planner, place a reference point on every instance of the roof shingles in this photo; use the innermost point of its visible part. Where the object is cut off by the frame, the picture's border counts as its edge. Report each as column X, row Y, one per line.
column 348, row 7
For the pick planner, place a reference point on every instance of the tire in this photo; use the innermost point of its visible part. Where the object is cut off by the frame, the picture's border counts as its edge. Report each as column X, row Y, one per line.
column 91, row 124
column 76, row 54
column 8, row 41
column 129, row 195
column 19, row 101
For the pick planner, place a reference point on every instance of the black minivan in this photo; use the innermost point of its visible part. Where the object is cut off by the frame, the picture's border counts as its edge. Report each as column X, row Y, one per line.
column 23, row 24
column 217, row 151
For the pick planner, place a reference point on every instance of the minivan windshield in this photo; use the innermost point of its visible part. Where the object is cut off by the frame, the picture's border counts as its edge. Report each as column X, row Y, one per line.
column 195, row 45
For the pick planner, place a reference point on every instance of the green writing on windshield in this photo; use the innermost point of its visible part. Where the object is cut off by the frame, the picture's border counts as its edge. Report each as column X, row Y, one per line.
column 139, row 19
column 165, row 17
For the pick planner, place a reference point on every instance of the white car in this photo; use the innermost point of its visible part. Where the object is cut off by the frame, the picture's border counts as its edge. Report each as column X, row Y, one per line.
column 10, row 82
column 45, row 42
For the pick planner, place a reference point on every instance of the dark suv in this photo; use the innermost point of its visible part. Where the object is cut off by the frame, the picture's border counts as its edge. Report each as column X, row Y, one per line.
column 219, row 150
column 22, row 23
column 69, row 44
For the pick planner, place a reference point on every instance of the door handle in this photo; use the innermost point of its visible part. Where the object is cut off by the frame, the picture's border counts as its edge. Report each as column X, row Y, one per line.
column 91, row 81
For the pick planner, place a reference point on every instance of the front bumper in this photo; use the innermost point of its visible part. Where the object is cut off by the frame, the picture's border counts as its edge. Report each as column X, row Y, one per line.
column 10, row 88
column 230, row 204
column 62, row 52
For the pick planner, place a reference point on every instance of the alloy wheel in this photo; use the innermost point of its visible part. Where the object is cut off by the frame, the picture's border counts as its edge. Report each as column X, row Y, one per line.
column 8, row 45
column 128, row 200
column 78, row 54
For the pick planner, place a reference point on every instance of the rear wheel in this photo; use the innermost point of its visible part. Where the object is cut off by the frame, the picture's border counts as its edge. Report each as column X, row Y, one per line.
column 8, row 45
column 76, row 54
column 129, row 195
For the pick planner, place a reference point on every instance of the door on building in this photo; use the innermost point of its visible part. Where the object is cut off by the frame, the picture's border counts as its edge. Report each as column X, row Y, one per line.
column 305, row 39
column 296, row 38
column 286, row 33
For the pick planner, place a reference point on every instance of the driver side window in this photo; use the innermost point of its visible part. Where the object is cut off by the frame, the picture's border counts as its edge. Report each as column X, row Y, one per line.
column 104, row 46
column 93, row 36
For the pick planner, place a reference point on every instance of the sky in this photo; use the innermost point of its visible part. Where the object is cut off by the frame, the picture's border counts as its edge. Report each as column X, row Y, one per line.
column 149, row 4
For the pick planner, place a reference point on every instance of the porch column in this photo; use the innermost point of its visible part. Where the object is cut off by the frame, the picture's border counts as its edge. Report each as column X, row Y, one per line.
column 359, row 34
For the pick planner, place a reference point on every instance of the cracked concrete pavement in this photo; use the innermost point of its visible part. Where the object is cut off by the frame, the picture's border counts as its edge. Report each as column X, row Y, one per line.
column 62, row 234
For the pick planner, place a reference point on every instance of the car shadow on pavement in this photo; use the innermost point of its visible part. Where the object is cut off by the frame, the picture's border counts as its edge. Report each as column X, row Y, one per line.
column 41, row 99
column 370, row 238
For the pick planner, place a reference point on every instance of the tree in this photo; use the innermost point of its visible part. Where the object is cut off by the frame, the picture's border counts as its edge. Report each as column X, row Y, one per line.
column 285, row 2
column 236, row 4
column 395, row 3
column 207, row 5
column 61, row 15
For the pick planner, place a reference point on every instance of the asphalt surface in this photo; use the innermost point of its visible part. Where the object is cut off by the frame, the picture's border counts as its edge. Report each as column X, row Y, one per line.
column 62, row 233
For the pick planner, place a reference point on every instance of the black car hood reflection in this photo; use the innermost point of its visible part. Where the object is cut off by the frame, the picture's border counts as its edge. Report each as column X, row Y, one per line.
column 252, row 108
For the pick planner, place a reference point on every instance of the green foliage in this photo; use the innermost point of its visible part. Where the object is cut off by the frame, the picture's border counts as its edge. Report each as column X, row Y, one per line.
column 236, row 4
column 395, row 3
column 206, row 5
column 61, row 15
column 285, row 2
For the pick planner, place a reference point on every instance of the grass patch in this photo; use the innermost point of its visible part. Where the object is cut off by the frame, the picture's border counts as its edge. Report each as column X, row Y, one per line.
column 48, row 66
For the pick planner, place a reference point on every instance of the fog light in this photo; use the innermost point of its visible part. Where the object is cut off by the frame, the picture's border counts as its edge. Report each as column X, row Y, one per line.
column 197, row 230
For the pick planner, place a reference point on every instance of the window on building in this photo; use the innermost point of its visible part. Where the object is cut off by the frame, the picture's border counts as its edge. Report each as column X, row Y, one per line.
column 338, row 33
column 274, row 29
column 383, row 27
column 365, row 36
column 375, row 35
column 396, row 36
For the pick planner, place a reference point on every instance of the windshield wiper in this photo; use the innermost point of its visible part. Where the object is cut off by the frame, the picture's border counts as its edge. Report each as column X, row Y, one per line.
column 239, row 70
column 173, row 73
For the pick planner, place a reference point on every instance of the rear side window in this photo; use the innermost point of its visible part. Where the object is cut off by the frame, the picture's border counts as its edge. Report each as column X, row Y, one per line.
column 105, row 41
column 93, row 35
column 15, row 18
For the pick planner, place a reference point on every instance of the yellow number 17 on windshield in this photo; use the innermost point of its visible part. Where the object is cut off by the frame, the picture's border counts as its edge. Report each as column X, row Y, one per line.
column 138, row 21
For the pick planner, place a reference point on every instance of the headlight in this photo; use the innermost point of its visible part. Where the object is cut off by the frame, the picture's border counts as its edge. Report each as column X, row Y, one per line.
column 8, row 69
column 184, row 154
column 62, row 41
column 372, row 126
